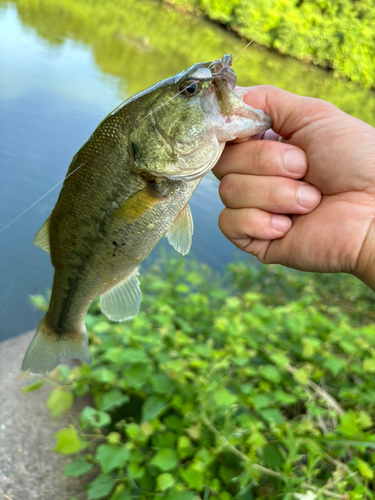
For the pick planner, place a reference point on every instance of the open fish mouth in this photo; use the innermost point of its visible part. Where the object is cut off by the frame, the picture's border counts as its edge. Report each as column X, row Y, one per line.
column 230, row 99
column 225, row 99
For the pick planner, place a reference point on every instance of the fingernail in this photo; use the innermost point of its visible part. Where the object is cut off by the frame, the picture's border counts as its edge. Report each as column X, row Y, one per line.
column 295, row 161
column 281, row 223
column 308, row 196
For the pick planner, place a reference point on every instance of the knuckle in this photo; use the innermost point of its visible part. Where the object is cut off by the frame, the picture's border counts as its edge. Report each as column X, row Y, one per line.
column 274, row 195
column 222, row 220
column 248, row 219
column 264, row 156
column 227, row 186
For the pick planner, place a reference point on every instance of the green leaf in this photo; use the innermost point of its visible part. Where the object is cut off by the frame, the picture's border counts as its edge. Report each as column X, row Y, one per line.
column 185, row 447
column 136, row 376
column 203, row 457
column 59, row 401
column 261, row 401
column 77, row 468
column 369, row 365
column 166, row 459
column 227, row 474
column 111, row 457
column 364, row 420
column 272, row 415
column 223, row 397
column 131, row 355
column 100, row 326
column 301, row 376
column 348, row 423
column 132, row 430
column 272, row 456
column 113, row 399
column 164, row 439
column 68, row 441
column 365, row 469
column 135, row 471
column 192, row 477
column 335, row 365
column 164, row 481
column 162, row 383
column 280, row 359
column 271, row 373
column 114, row 438
column 33, row 386
column 104, row 375
column 153, row 407
column 100, row 487
column 179, row 495
column 94, row 418
column 121, row 495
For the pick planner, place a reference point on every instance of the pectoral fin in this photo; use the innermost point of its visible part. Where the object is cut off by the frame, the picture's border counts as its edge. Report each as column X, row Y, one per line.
column 137, row 205
column 41, row 239
column 123, row 301
column 180, row 233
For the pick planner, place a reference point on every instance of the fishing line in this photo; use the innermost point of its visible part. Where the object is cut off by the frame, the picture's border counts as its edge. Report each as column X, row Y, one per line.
column 41, row 198
column 58, row 184
column 151, row 113
column 238, row 55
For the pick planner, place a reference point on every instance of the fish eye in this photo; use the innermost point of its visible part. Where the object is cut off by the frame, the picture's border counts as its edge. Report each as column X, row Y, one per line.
column 189, row 87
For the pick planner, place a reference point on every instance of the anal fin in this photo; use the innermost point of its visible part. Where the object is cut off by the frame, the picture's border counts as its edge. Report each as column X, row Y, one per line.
column 123, row 301
column 180, row 233
column 41, row 239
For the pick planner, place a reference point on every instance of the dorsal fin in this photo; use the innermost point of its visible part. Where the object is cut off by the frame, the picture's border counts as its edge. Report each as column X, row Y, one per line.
column 123, row 301
column 180, row 233
column 41, row 239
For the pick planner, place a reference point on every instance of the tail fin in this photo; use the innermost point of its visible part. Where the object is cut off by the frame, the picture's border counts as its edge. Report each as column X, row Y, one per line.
column 46, row 348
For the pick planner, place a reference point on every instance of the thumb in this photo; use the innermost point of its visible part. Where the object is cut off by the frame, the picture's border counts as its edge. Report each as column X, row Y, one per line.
column 289, row 112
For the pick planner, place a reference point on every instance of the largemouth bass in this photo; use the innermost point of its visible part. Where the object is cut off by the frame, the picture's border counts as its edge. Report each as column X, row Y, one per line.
column 127, row 187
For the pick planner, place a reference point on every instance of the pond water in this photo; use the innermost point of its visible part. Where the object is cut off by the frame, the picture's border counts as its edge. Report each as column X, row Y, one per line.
column 63, row 67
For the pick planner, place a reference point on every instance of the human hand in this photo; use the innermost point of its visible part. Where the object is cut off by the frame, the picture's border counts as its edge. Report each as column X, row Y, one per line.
column 307, row 202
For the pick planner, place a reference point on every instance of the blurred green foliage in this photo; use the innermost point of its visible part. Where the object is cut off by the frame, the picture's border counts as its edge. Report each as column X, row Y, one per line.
column 143, row 42
column 338, row 34
column 255, row 385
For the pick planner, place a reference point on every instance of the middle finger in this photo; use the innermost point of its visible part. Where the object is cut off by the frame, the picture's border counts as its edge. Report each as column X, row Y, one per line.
column 270, row 193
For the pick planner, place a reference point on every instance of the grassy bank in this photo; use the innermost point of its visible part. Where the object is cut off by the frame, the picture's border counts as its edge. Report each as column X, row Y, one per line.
column 338, row 34
column 257, row 385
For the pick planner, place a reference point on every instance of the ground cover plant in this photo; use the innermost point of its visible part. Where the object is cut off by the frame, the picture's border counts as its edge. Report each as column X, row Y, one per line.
column 256, row 385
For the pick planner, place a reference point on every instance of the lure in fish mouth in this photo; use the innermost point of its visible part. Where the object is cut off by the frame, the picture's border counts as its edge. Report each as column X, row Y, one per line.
column 127, row 187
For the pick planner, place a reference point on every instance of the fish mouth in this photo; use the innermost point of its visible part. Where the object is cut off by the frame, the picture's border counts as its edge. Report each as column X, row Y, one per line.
column 221, row 69
column 230, row 99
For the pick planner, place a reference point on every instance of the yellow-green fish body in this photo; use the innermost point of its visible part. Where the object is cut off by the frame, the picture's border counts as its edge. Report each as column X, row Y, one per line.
column 127, row 187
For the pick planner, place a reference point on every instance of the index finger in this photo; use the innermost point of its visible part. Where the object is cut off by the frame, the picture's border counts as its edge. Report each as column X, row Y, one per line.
column 289, row 112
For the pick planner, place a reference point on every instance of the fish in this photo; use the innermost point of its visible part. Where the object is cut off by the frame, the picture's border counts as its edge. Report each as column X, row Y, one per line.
column 127, row 187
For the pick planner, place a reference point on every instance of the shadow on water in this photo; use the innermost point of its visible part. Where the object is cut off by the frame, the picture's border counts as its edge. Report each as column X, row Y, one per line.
column 64, row 66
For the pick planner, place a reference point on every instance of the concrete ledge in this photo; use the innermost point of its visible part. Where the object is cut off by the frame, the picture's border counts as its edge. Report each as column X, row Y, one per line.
column 28, row 468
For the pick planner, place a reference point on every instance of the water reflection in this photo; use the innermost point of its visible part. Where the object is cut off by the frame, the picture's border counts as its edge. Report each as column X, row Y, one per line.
column 63, row 68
